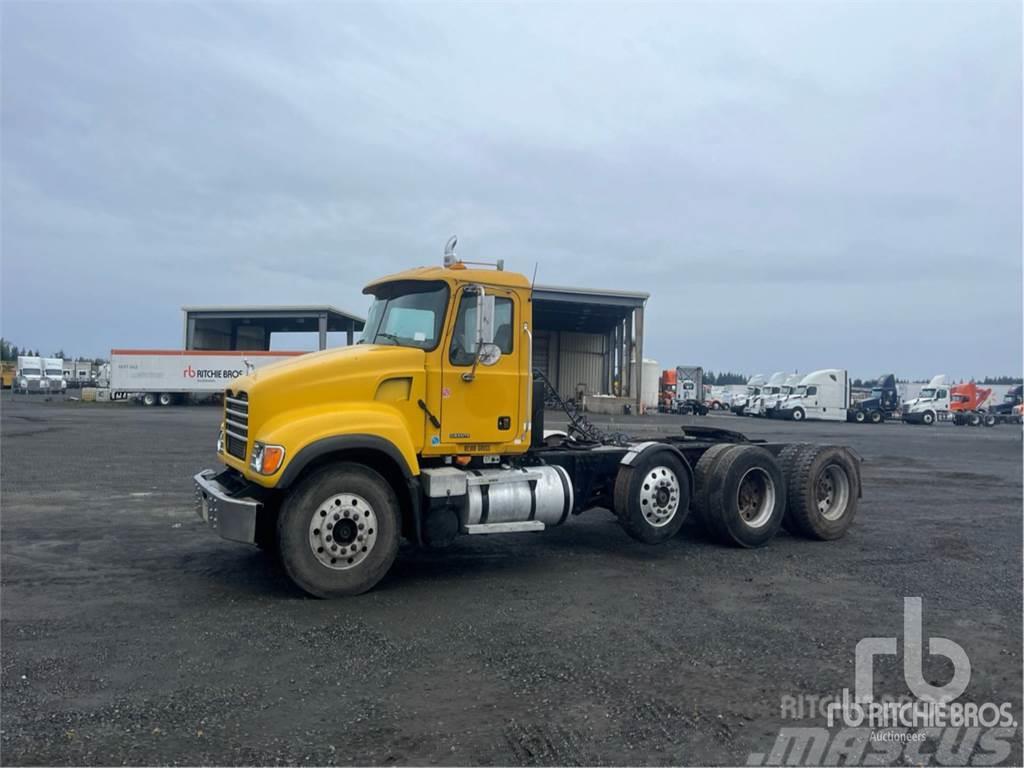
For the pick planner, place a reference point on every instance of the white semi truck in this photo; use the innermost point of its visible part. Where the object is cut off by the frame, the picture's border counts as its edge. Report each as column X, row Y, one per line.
column 739, row 402
column 29, row 376
column 931, row 404
column 788, row 388
column 758, row 406
column 167, row 376
column 822, row 395
column 53, row 381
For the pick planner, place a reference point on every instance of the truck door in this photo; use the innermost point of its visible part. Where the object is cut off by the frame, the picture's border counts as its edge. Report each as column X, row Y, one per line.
column 485, row 408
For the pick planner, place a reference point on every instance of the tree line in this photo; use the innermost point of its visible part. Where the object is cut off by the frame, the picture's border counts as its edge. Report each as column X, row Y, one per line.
column 9, row 353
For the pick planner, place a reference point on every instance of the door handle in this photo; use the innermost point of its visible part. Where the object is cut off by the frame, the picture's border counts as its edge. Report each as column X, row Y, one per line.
column 432, row 417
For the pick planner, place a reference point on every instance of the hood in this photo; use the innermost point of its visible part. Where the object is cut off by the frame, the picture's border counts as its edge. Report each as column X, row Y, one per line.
column 344, row 375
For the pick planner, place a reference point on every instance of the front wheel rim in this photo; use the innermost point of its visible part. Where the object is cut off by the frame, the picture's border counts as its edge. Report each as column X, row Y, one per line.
column 343, row 531
column 755, row 497
column 659, row 496
column 832, row 492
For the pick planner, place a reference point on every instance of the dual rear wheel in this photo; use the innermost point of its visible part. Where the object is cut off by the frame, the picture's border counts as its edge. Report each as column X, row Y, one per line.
column 744, row 494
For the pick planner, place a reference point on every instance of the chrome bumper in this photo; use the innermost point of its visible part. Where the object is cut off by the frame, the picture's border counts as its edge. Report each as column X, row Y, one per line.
column 233, row 517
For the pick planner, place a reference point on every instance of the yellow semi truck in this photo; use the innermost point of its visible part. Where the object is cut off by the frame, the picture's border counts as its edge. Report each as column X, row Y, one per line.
column 432, row 427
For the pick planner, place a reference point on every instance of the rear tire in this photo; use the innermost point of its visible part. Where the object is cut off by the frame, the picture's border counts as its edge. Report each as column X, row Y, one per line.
column 787, row 462
column 824, row 490
column 990, row 420
column 338, row 530
column 652, row 497
column 974, row 419
column 149, row 399
column 166, row 398
column 745, row 498
column 702, row 473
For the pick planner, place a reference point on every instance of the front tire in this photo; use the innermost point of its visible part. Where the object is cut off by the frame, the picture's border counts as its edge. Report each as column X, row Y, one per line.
column 652, row 497
column 798, row 414
column 876, row 417
column 859, row 417
column 338, row 531
column 928, row 417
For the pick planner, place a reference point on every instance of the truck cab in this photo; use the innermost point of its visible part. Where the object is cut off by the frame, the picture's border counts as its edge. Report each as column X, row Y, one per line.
column 1013, row 398
column 758, row 406
column 29, row 376
column 690, row 390
column 432, row 427
column 53, row 376
column 931, row 404
column 788, row 387
column 822, row 395
column 883, row 402
column 741, row 400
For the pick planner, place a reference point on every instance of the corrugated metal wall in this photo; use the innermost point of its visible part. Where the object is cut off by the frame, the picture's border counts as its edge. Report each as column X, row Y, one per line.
column 581, row 360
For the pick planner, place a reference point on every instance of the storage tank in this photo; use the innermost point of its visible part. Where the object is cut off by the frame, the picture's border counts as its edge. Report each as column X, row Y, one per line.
column 649, row 385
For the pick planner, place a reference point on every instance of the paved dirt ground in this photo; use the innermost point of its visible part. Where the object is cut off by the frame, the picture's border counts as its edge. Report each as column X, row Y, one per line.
column 132, row 634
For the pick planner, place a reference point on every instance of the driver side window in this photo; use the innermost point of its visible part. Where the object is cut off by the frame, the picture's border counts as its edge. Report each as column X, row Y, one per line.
column 463, row 348
column 812, row 390
column 940, row 394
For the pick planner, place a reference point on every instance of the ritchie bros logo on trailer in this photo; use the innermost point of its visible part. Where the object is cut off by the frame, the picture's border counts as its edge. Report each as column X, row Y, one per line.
column 212, row 373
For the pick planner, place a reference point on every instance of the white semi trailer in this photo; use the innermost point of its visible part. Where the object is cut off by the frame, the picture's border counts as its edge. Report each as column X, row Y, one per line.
column 167, row 376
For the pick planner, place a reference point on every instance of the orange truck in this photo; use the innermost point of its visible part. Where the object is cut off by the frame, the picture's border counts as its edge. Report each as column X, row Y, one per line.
column 967, row 403
column 667, row 386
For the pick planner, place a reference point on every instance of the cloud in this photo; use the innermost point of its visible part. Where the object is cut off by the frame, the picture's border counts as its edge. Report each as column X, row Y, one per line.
column 838, row 175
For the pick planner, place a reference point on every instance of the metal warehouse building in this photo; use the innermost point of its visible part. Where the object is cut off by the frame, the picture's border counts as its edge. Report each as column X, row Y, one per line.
column 585, row 341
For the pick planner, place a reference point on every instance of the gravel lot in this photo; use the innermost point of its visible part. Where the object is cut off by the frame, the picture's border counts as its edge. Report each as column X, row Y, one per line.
column 131, row 634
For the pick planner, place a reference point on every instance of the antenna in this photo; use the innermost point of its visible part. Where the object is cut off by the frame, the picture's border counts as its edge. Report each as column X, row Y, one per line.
column 533, row 282
column 449, row 251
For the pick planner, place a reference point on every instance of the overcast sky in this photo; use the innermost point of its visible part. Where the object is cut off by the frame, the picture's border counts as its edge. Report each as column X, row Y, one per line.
column 798, row 186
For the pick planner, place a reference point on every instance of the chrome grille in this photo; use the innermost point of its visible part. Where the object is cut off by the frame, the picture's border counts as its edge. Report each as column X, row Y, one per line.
column 236, row 423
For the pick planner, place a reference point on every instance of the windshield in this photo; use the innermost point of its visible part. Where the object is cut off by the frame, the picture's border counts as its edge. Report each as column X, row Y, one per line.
column 877, row 392
column 30, row 372
column 1009, row 397
column 800, row 390
column 928, row 392
column 54, row 372
column 406, row 314
column 960, row 398
column 773, row 390
column 785, row 390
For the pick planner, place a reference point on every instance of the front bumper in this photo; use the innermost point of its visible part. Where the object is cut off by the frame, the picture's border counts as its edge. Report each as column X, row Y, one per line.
column 221, row 504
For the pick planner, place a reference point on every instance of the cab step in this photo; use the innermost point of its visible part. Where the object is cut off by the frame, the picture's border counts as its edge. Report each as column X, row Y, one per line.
column 520, row 527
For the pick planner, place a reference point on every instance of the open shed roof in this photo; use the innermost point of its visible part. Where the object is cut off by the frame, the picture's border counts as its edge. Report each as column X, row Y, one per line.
column 281, row 319
column 584, row 310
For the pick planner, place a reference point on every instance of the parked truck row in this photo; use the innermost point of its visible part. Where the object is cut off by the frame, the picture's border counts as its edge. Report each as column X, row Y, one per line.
column 39, row 375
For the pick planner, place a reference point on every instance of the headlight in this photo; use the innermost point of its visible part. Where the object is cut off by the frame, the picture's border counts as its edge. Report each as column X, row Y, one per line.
column 266, row 459
column 220, row 441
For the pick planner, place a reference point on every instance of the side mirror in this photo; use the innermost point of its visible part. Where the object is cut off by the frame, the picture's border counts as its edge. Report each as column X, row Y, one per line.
column 484, row 319
column 486, row 351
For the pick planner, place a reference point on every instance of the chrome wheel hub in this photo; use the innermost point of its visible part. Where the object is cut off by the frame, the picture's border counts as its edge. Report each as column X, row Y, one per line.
column 343, row 531
column 659, row 496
